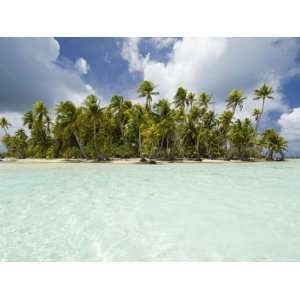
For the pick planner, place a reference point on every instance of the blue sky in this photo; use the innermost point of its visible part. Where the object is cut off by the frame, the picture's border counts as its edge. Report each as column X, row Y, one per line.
column 55, row 69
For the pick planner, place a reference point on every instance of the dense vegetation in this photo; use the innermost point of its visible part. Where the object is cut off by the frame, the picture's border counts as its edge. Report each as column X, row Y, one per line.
column 186, row 127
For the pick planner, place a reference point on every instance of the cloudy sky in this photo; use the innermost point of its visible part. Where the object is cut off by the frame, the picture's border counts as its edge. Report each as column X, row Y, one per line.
column 54, row 69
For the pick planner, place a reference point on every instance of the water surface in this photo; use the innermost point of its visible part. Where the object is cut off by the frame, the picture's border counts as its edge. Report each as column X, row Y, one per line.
column 172, row 212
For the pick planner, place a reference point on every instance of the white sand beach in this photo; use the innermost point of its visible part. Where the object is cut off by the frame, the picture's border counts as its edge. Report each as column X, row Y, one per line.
column 124, row 161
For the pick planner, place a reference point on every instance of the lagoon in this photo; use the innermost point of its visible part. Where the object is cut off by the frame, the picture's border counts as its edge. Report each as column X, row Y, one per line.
column 169, row 212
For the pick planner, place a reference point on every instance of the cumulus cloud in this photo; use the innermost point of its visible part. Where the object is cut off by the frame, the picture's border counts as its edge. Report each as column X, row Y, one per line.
column 82, row 66
column 163, row 42
column 130, row 52
column 290, row 129
column 217, row 65
column 30, row 69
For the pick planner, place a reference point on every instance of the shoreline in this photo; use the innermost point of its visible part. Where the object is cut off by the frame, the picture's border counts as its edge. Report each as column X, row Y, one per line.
column 121, row 161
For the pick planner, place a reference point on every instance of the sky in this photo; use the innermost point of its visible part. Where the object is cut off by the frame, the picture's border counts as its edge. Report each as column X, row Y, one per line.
column 55, row 69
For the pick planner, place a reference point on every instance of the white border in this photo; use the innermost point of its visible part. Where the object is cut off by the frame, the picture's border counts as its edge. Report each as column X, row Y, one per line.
column 149, row 18
column 151, row 281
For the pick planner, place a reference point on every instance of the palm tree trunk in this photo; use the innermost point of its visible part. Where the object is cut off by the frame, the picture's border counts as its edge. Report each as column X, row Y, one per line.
column 262, row 108
column 95, row 144
column 281, row 156
column 197, row 147
column 80, row 145
column 140, row 144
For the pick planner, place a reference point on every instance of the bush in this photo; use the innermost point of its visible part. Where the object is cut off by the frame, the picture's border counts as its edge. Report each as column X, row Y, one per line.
column 123, row 151
column 72, row 152
column 51, row 153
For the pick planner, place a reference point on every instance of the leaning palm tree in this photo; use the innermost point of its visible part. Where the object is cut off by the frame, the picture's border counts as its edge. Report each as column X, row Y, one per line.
column 264, row 92
column 235, row 99
column 147, row 89
column 4, row 124
column 274, row 143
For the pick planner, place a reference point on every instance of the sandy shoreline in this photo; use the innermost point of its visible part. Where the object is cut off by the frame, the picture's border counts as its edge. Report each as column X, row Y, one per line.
column 116, row 161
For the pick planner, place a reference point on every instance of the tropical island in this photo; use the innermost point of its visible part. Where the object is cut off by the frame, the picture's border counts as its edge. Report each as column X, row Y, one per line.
column 185, row 127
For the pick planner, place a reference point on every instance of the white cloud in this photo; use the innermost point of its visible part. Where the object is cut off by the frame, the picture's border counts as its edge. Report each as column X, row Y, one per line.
column 82, row 66
column 163, row 42
column 31, row 70
column 217, row 65
column 130, row 52
column 290, row 129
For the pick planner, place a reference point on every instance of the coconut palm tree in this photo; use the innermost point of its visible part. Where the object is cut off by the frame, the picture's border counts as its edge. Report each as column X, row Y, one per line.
column 137, row 119
column 191, row 99
column 204, row 100
column 28, row 119
column 180, row 99
column 235, row 99
column 225, row 121
column 4, row 124
column 242, row 138
column 40, row 113
column 166, row 122
column 263, row 93
column 93, row 112
column 274, row 143
column 256, row 114
column 20, row 143
column 147, row 89
column 119, row 107
column 68, row 122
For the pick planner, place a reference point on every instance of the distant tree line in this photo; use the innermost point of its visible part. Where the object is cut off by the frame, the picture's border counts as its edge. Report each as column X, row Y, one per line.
column 185, row 127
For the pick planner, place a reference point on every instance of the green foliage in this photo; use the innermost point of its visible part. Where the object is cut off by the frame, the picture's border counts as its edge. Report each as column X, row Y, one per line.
column 124, row 151
column 184, row 128
column 274, row 144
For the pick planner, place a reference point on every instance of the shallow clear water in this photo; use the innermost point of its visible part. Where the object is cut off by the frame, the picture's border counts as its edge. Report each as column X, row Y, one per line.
column 177, row 212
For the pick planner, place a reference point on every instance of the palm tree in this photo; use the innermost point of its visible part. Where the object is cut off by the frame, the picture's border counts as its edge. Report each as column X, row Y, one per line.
column 40, row 113
column 137, row 118
column 21, row 143
column 119, row 107
column 4, row 124
column 225, row 121
column 235, row 99
column 147, row 89
column 204, row 100
column 166, row 122
column 185, row 128
column 93, row 111
column 274, row 143
column 180, row 98
column 242, row 138
column 28, row 119
column 256, row 114
column 264, row 92
column 191, row 99
column 67, row 120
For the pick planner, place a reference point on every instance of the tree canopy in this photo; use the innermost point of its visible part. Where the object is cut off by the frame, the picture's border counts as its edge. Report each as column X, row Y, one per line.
column 184, row 127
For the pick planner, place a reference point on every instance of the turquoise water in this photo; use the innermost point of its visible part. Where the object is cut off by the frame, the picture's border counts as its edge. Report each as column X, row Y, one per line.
column 172, row 212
